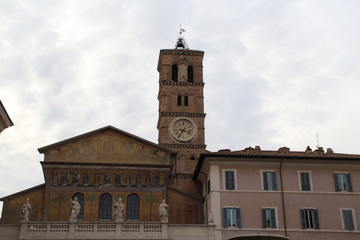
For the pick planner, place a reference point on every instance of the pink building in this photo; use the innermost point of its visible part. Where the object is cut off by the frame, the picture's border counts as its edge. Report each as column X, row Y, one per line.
column 281, row 194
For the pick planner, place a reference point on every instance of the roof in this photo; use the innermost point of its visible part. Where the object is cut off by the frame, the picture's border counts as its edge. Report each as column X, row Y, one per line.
column 23, row 192
column 5, row 120
column 284, row 152
column 73, row 139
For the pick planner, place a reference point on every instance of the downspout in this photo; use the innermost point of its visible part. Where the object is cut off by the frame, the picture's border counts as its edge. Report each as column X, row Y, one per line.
column 206, row 196
column 282, row 196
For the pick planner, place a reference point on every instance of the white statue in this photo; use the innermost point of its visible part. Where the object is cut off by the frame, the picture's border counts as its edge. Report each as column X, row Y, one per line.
column 25, row 211
column 210, row 217
column 118, row 210
column 75, row 210
column 163, row 211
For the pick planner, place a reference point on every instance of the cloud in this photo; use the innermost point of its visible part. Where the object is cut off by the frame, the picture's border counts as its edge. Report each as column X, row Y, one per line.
column 276, row 73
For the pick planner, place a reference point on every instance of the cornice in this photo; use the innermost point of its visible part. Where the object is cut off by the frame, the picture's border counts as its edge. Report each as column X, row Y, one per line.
column 181, row 83
column 183, row 145
column 187, row 52
column 178, row 114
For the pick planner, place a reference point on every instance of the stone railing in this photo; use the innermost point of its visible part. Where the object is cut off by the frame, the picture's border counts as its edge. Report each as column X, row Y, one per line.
column 83, row 230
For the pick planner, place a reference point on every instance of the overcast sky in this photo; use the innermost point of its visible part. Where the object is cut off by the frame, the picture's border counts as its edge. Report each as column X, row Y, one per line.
column 276, row 72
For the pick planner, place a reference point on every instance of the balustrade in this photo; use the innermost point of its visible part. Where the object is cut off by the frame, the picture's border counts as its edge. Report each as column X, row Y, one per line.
column 79, row 230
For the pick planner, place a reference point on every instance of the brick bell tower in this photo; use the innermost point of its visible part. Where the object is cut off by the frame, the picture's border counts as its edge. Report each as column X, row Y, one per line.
column 181, row 104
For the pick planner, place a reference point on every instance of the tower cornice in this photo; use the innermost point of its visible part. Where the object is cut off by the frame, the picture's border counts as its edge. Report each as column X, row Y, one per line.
column 181, row 83
column 181, row 114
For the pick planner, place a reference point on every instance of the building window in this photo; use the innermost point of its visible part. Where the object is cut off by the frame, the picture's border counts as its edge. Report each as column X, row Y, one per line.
column 186, row 101
column 174, row 73
column 80, row 200
column 309, row 219
column 190, row 74
column 133, row 207
column 179, row 100
column 268, row 218
column 342, row 182
column 229, row 180
column 348, row 219
column 232, row 217
column 105, row 207
column 269, row 180
column 305, row 182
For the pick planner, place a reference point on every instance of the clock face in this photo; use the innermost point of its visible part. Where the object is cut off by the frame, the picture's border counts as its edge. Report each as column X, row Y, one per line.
column 183, row 129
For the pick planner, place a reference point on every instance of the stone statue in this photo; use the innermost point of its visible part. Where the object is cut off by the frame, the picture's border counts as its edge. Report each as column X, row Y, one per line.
column 75, row 210
column 128, row 180
column 107, row 179
column 75, row 178
column 138, row 179
column 210, row 217
column 25, row 211
column 118, row 210
column 156, row 180
column 65, row 179
column 163, row 211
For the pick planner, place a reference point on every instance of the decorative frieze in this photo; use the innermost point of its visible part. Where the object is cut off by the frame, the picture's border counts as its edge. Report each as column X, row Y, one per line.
column 94, row 178
column 180, row 114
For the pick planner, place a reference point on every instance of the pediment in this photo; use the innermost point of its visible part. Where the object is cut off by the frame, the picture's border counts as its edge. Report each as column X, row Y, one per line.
column 107, row 145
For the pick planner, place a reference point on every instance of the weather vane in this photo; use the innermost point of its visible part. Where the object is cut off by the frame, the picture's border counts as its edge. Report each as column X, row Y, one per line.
column 181, row 43
column 181, row 30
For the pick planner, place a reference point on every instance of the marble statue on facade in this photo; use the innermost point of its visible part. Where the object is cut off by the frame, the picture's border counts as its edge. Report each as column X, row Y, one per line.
column 25, row 211
column 163, row 211
column 119, row 207
column 75, row 210
column 210, row 217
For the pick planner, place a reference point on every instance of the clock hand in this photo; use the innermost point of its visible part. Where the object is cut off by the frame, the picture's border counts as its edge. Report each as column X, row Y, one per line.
column 182, row 130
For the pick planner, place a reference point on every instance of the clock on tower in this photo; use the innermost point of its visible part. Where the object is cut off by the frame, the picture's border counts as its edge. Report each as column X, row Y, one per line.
column 181, row 104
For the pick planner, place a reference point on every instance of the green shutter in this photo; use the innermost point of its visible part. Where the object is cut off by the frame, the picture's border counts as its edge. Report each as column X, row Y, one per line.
column 273, row 178
column 225, row 218
column 316, row 219
column 266, row 184
column 336, row 181
column 238, row 222
column 303, row 218
column 348, row 179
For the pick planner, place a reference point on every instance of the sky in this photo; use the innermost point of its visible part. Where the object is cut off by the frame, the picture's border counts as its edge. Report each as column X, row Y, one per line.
column 277, row 73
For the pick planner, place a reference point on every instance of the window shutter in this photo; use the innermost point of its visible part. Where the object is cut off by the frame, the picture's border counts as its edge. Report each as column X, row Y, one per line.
column 305, row 181
column 316, row 219
column 229, row 180
column 238, row 223
column 273, row 178
column 348, row 178
column 346, row 219
column 263, row 211
column 266, row 184
column 303, row 218
column 273, row 220
column 232, row 181
column 336, row 181
column 225, row 218
column 302, row 179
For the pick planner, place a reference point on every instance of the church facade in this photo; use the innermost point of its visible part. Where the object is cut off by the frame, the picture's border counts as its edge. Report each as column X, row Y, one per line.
column 110, row 184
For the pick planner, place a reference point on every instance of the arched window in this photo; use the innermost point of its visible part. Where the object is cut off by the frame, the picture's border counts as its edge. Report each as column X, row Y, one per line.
column 80, row 199
column 174, row 73
column 105, row 207
column 133, row 207
column 190, row 74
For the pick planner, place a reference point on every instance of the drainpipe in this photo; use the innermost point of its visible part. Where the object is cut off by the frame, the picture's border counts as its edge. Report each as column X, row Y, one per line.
column 206, row 196
column 282, row 196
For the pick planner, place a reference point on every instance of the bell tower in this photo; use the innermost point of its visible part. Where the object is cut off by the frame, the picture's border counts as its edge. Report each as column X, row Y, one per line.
column 181, row 104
